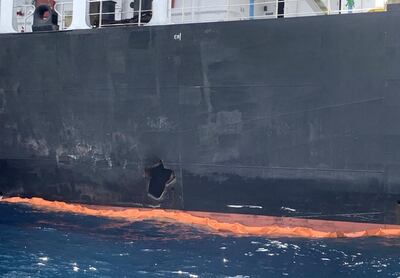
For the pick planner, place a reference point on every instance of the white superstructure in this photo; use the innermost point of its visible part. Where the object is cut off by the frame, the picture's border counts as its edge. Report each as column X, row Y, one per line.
column 17, row 15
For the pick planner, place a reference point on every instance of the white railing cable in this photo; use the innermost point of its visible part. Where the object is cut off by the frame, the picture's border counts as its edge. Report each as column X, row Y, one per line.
column 140, row 12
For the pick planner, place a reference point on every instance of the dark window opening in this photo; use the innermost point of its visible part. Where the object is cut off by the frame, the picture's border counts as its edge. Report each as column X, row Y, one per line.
column 142, row 13
column 107, row 13
column 281, row 9
column 159, row 179
column 142, row 9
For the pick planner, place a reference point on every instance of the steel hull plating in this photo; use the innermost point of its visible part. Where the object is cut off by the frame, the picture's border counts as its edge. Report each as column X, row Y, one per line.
column 290, row 117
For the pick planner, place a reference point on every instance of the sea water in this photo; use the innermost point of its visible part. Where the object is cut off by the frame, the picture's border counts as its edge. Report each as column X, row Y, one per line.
column 35, row 243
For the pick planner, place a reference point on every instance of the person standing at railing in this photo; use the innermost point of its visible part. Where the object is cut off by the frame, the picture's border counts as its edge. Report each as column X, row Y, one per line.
column 350, row 5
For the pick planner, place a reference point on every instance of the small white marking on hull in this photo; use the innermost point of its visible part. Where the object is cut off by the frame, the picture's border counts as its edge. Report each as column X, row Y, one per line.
column 288, row 209
column 244, row 206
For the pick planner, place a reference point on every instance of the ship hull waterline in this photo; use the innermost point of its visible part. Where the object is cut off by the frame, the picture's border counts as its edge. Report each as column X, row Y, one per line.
column 292, row 117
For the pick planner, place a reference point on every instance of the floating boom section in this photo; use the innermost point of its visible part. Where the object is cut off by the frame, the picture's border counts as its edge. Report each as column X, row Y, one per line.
column 215, row 223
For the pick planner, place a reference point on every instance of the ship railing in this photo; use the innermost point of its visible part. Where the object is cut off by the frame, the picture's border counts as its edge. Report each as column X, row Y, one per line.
column 188, row 13
column 24, row 14
column 64, row 11
column 99, row 16
column 96, row 18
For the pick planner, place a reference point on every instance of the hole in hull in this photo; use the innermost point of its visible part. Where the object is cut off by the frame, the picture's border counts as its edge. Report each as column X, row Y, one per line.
column 160, row 179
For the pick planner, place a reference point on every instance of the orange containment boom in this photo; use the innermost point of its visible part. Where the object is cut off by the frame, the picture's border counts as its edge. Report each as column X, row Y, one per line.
column 239, row 224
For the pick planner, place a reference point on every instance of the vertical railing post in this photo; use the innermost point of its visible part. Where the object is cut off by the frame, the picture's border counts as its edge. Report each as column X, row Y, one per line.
column 227, row 10
column 183, row 11
column 170, row 11
column 25, row 17
column 140, row 13
column 277, row 8
column 24, row 25
column 100, row 13
column 329, row 7
column 192, row 10
column 62, row 16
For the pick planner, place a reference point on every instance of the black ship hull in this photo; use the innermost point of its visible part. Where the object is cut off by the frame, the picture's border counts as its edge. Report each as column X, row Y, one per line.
column 288, row 117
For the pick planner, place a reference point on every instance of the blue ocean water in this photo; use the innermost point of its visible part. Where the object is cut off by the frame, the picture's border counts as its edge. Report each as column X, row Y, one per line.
column 41, row 244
